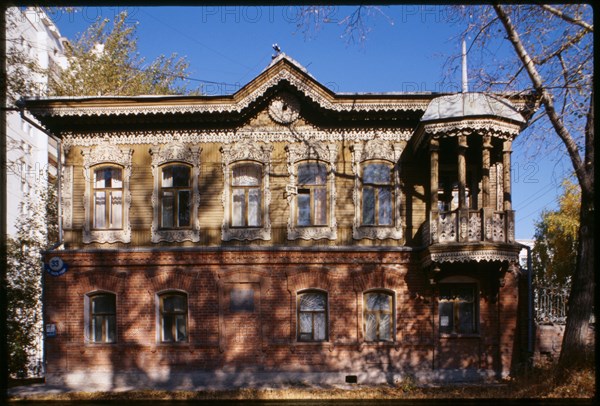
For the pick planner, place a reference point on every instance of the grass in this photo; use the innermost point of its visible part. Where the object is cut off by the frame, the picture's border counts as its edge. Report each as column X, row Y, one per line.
column 543, row 382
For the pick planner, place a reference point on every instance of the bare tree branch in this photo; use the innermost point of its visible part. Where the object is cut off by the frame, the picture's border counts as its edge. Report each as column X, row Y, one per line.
column 558, row 13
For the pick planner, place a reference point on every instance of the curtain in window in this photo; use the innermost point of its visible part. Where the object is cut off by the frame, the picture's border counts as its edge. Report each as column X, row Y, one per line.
column 312, row 318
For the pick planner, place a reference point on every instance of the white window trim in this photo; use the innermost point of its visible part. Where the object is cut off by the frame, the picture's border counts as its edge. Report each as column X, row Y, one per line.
column 296, row 153
column 394, row 327
column 110, row 155
column 173, row 153
column 246, row 152
column 361, row 154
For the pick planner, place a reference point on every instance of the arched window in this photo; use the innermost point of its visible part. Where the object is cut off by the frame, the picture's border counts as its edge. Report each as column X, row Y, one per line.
column 246, row 192
column 173, row 312
column 102, row 311
column 312, row 194
column 377, row 194
column 108, row 198
column 312, row 316
column 379, row 316
column 175, row 196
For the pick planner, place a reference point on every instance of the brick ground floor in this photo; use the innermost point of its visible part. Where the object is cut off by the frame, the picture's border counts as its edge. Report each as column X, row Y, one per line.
column 177, row 317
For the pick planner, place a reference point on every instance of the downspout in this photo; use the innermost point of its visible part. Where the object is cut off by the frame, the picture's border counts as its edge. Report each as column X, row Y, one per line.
column 60, row 230
column 529, row 302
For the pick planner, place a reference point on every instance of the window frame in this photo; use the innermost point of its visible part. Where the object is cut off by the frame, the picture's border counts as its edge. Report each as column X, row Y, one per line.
column 89, row 316
column 376, row 188
column 374, row 152
column 160, row 317
column 108, row 208
column 106, row 154
column 175, row 190
column 456, row 309
column 298, row 154
column 175, row 153
column 241, row 153
column 392, row 312
column 246, row 190
column 325, row 312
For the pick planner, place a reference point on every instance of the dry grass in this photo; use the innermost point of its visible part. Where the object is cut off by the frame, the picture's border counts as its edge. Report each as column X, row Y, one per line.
column 539, row 383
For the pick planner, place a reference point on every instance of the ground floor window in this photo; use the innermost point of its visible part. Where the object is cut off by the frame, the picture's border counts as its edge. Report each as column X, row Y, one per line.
column 173, row 317
column 379, row 316
column 103, row 318
column 457, row 309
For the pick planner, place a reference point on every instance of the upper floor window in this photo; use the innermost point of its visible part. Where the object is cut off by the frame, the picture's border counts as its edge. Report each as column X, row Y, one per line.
column 379, row 316
column 102, row 314
column 457, row 309
column 376, row 190
column 173, row 313
column 107, row 169
column 311, row 191
column 377, row 195
column 108, row 198
column 246, row 195
column 312, row 316
column 175, row 196
column 312, row 194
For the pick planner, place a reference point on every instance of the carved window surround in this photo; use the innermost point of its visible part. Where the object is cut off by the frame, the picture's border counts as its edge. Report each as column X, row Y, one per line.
column 172, row 153
column 326, row 153
column 106, row 154
column 361, row 154
column 234, row 153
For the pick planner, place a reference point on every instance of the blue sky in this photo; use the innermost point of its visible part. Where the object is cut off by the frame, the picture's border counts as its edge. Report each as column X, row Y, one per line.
column 405, row 50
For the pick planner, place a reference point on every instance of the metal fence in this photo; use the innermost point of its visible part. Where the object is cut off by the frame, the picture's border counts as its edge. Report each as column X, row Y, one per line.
column 550, row 304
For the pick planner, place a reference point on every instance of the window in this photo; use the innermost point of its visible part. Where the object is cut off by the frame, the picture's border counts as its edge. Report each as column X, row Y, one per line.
column 173, row 317
column 312, row 194
column 312, row 316
column 311, row 191
column 175, row 196
column 108, row 198
column 376, row 190
column 246, row 207
column 377, row 193
column 457, row 309
column 379, row 316
column 102, row 318
column 246, row 193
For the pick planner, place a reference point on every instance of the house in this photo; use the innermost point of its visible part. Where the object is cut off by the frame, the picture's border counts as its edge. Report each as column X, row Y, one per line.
column 283, row 233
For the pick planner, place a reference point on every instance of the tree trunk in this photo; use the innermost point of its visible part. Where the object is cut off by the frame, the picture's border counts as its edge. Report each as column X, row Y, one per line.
column 575, row 350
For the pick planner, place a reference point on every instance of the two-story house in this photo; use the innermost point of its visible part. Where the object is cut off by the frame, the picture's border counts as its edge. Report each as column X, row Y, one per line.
column 282, row 233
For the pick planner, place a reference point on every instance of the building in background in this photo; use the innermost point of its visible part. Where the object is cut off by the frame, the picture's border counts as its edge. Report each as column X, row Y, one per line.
column 283, row 233
column 31, row 154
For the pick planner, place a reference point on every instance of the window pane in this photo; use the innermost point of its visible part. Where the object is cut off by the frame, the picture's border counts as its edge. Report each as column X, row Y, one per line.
column 238, row 209
column 385, row 207
column 181, row 175
column 305, row 323
column 254, row 208
column 167, row 328
column 181, row 327
column 111, row 328
column 99, row 209
column 174, row 303
column 320, row 326
column 304, row 207
column 368, row 206
column 371, row 327
column 320, row 205
column 312, row 173
column 465, row 294
column 103, row 304
column 247, row 175
column 97, row 328
column 377, row 173
column 184, row 208
column 466, row 318
column 167, row 176
column 312, row 301
column 167, row 209
column 446, row 317
column 116, row 209
column 385, row 328
column 378, row 301
column 115, row 178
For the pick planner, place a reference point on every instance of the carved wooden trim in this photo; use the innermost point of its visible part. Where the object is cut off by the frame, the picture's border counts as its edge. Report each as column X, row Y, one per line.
column 171, row 153
column 326, row 153
column 376, row 150
column 67, row 197
column 246, row 151
column 106, row 153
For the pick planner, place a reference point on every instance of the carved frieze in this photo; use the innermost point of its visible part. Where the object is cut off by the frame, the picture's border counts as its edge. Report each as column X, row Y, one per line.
column 175, row 152
column 284, row 108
